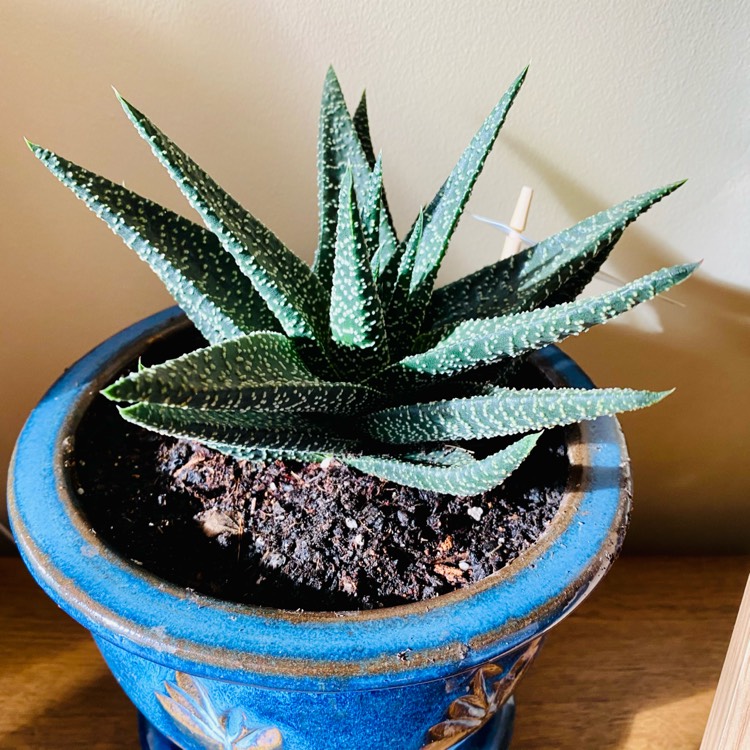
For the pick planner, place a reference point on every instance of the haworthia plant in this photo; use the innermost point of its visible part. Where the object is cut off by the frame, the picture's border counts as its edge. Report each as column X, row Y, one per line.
column 358, row 358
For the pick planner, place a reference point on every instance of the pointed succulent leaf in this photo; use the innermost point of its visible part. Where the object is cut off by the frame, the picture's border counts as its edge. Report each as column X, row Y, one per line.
column 385, row 250
column 201, row 276
column 443, row 213
column 403, row 318
column 371, row 209
column 361, row 122
column 259, row 372
column 476, row 342
column 464, row 479
column 284, row 281
column 565, row 262
column 247, row 435
column 400, row 296
column 355, row 316
column 386, row 262
column 339, row 149
column 581, row 269
column 505, row 411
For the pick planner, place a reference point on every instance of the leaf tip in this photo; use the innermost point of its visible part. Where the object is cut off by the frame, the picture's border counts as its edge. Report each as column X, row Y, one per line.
column 124, row 103
column 686, row 269
column 130, row 110
column 649, row 398
column 131, row 412
column 668, row 189
column 529, row 441
column 112, row 391
column 331, row 76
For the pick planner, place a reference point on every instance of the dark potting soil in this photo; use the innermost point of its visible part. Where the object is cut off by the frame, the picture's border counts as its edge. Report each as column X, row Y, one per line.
column 299, row 536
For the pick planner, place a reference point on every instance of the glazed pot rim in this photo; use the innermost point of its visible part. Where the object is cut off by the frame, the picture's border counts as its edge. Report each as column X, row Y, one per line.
column 119, row 601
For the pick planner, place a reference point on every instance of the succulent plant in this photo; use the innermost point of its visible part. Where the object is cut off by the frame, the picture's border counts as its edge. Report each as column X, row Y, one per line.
column 360, row 357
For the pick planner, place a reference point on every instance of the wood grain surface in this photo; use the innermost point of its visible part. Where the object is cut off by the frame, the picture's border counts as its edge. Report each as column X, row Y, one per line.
column 635, row 667
column 728, row 725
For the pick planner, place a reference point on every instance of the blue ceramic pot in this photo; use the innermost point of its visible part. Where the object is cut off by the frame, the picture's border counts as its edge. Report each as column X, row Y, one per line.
column 208, row 674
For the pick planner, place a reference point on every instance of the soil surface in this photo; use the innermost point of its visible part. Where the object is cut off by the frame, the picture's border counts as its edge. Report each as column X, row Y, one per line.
column 300, row 536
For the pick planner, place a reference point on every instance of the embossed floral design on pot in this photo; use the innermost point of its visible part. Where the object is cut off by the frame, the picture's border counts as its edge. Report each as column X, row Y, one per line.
column 489, row 689
column 187, row 701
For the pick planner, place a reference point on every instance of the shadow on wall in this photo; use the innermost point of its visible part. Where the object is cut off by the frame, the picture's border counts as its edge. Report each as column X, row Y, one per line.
column 688, row 485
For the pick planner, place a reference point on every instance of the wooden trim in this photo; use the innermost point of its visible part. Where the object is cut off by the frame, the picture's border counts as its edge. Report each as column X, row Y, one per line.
column 728, row 725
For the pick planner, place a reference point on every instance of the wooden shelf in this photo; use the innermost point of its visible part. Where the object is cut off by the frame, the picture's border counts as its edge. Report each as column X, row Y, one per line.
column 634, row 668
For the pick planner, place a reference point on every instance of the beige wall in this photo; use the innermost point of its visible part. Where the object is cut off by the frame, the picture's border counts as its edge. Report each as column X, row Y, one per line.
column 622, row 96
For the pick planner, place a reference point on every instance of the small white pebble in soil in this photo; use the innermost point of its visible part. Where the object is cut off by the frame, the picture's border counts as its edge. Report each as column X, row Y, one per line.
column 358, row 541
column 350, row 523
column 475, row 512
column 464, row 565
column 80, row 490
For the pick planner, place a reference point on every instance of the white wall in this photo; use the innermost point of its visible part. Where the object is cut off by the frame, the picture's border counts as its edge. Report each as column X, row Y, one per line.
column 621, row 97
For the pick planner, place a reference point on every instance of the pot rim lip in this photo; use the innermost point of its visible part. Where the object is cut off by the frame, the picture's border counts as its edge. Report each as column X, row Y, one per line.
column 508, row 608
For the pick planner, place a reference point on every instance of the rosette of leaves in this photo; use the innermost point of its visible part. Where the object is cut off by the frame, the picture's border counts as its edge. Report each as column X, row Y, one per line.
column 360, row 357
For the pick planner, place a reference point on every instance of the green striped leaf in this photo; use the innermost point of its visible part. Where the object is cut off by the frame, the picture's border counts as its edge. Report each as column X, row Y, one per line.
column 201, row 276
column 463, row 479
column 371, row 210
column 385, row 264
column 406, row 268
column 402, row 321
column 245, row 435
column 477, row 342
column 553, row 271
column 287, row 285
column 361, row 121
column 504, row 411
column 443, row 213
column 339, row 149
column 259, row 372
column 356, row 318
